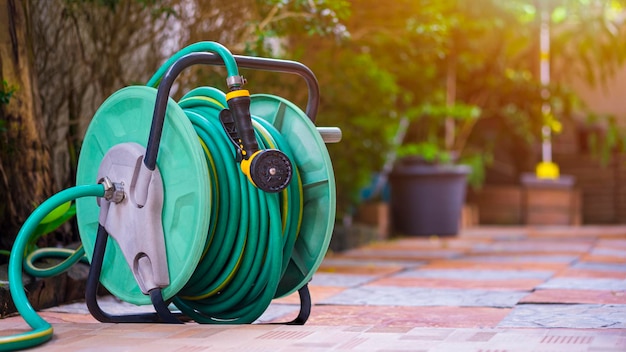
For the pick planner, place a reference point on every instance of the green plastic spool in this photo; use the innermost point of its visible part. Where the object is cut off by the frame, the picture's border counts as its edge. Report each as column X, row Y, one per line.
column 124, row 117
column 318, row 187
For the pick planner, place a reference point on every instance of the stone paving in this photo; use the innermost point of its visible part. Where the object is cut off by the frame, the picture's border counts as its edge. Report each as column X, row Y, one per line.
column 488, row 289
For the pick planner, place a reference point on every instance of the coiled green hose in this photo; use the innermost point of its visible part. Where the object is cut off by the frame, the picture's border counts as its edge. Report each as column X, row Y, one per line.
column 250, row 244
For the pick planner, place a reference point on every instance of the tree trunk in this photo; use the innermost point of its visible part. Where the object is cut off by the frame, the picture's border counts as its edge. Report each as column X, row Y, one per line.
column 24, row 161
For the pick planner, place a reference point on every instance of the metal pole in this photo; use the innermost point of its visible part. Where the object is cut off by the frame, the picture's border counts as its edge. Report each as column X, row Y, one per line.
column 544, row 69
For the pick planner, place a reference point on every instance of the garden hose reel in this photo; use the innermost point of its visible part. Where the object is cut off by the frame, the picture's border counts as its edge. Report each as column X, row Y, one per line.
column 170, row 220
column 217, row 203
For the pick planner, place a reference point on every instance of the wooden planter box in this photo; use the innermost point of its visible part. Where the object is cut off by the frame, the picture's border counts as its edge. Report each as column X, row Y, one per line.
column 375, row 214
column 498, row 205
column 529, row 204
column 551, row 202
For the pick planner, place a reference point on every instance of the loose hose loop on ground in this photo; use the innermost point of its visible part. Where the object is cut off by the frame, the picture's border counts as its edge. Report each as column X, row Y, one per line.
column 42, row 330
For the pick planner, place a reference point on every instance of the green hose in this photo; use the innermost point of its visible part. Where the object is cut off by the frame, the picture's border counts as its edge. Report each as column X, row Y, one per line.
column 42, row 330
column 229, row 60
column 70, row 257
column 250, row 244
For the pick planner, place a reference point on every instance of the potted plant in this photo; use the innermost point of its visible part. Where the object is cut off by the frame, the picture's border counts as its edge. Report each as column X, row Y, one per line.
column 429, row 181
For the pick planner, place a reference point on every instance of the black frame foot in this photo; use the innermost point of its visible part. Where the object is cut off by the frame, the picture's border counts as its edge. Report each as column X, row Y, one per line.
column 305, row 307
column 162, row 314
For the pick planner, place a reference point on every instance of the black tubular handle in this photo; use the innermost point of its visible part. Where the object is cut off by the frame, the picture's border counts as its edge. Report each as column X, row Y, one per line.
column 160, row 105
column 284, row 66
column 205, row 58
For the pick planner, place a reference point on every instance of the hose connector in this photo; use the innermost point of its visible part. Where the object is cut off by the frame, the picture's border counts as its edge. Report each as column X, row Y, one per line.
column 235, row 82
column 113, row 192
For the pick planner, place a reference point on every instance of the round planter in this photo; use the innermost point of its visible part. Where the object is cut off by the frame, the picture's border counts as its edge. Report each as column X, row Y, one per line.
column 427, row 199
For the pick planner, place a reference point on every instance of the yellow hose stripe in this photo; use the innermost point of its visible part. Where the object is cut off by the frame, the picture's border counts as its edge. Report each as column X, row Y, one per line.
column 209, row 99
column 272, row 145
column 217, row 204
column 301, row 205
column 27, row 336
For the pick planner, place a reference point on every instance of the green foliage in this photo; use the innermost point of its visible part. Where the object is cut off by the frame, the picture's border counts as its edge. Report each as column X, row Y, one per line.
column 456, row 63
column 6, row 92
column 157, row 7
column 358, row 96
column 490, row 54
column 281, row 18
column 429, row 151
column 112, row 4
column 426, row 141
column 486, row 57
column 605, row 137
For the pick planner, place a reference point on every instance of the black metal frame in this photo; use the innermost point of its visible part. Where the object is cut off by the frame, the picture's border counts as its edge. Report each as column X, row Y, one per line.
column 162, row 314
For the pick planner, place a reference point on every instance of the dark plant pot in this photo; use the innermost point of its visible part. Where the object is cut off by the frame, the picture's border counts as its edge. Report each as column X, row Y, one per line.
column 427, row 199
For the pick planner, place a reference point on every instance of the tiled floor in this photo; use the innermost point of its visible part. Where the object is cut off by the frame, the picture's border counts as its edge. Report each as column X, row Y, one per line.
column 488, row 289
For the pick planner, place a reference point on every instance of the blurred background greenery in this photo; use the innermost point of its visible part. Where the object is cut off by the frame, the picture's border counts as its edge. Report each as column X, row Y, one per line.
column 447, row 79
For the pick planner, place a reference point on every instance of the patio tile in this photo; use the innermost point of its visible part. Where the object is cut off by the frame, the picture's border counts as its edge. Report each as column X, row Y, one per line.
column 612, row 243
column 493, row 265
column 584, row 284
column 434, row 242
column 355, row 338
column 576, row 316
column 600, row 266
column 359, row 267
column 582, row 232
column 588, row 273
column 609, row 252
column 317, row 293
column 340, row 280
column 407, row 316
column 402, row 254
column 469, row 279
column 495, row 233
column 525, row 258
column 576, row 296
column 523, row 340
column 54, row 317
column 534, row 246
column 411, row 296
column 339, row 263
column 489, row 289
column 279, row 312
column 603, row 258
column 463, row 274
column 109, row 304
column 510, row 285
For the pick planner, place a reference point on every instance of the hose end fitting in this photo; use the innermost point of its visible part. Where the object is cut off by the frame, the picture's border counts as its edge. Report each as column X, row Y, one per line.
column 113, row 192
column 235, row 82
